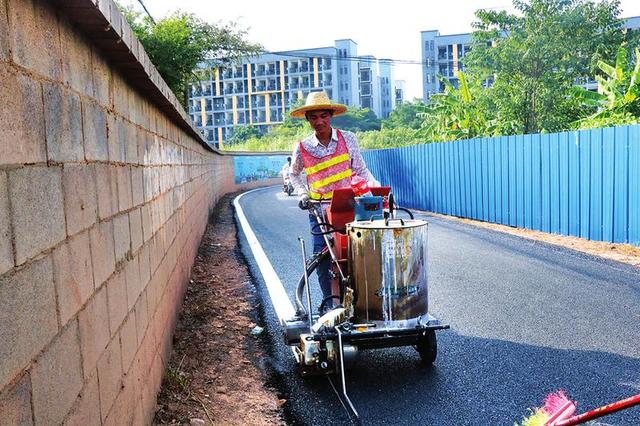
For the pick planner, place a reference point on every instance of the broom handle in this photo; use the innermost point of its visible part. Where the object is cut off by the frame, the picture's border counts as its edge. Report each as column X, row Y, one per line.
column 601, row 411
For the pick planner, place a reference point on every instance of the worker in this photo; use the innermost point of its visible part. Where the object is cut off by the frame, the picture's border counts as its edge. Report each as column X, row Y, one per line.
column 328, row 157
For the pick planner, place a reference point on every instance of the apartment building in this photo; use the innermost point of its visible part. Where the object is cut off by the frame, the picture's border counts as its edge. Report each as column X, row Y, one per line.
column 442, row 56
column 260, row 90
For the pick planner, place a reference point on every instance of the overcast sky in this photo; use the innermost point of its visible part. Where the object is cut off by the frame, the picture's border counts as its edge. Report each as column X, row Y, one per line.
column 391, row 31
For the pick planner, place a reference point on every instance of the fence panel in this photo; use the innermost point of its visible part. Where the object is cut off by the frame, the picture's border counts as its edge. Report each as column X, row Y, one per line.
column 584, row 183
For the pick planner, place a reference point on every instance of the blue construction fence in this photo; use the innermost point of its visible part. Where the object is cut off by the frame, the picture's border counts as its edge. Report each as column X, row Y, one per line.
column 583, row 183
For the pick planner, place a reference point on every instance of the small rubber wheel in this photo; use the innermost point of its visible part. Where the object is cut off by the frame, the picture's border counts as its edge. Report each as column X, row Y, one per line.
column 427, row 347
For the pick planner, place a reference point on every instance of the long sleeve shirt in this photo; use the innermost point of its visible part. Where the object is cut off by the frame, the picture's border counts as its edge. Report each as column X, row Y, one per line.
column 316, row 149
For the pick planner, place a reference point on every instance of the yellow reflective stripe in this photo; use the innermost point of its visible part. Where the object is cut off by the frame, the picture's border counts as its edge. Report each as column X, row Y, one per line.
column 318, row 196
column 331, row 179
column 326, row 164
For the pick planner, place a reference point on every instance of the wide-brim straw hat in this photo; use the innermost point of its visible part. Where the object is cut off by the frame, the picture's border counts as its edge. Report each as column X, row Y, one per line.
column 318, row 101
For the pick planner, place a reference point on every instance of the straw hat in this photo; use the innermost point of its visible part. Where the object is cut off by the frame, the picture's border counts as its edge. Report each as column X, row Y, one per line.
column 318, row 101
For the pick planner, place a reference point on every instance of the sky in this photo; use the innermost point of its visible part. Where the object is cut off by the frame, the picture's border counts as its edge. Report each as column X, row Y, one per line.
column 389, row 29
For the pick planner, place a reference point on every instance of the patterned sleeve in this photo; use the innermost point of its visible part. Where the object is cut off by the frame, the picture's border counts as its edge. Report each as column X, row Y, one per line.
column 298, row 180
column 357, row 162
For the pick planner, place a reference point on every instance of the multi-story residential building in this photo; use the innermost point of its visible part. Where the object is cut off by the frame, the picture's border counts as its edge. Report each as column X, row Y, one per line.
column 398, row 92
column 260, row 90
column 442, row 56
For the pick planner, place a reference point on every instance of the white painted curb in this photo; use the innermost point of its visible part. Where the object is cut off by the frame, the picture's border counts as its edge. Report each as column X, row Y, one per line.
column 279, row 299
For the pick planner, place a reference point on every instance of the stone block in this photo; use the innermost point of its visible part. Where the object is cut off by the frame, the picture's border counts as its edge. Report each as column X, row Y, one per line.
column 76, row 59
column 107, row 190
column 142, row 316
column 94, row 123
column 137, row 186
column 56, row 378
column 37, row 211
column 120, row 91
column 101, row 73
column 80, row 200
column 15, row 402
column 109, row 376
column 94, row 331
column 122, row 408
column 132, row 273
column 73, row 275
column 102, row 252
column 86, row 410
column 128, row 341
column 135, row 222
column 117, row 301
column 116, row 135
column 63, row 123
column 122, row 237
column 131, row 144
column 125, row 201
column 22, row 139
column 27, row 302
column 6, row 250
column 4, row 33
column 147, row 224
column 34, row 37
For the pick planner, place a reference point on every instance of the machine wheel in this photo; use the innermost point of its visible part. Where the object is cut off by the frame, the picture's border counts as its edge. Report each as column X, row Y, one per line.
column 290, row 190
column 427, row 347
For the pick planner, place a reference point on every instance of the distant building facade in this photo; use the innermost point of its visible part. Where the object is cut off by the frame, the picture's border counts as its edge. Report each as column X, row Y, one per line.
column 261, row 90
column 442, row 56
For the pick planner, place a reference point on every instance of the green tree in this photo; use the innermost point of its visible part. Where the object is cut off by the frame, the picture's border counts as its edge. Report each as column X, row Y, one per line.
column 357, row 120
column 533, row 57
column 243, row 133
column 619, row 102
column 457, row 113
column 177, row 43
column 404, row 115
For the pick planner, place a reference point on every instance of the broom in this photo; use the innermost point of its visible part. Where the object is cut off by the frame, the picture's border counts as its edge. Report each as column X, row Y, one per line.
column 558, row 411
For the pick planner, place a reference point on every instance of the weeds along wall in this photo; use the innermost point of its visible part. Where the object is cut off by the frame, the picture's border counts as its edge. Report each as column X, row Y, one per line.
column 105, row 190
column 584, row 183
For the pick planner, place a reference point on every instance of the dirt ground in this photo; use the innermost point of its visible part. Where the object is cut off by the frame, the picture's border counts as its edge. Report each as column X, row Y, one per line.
column 216, row 374
column 624, row 253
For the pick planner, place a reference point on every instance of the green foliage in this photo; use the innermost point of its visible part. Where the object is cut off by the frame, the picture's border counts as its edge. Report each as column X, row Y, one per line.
column 242, row 134
column 389, row 138
column 618, row 103
column 404, row 115
column 177, row 43
column 357, row 120
column 458, row 113
column 537, row 54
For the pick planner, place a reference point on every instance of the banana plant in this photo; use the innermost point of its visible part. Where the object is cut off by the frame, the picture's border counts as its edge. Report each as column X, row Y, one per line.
column 454, row 114
column 618, row 91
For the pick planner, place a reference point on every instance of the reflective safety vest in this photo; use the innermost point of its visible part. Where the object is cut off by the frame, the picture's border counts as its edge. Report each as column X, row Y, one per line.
column 327, row 173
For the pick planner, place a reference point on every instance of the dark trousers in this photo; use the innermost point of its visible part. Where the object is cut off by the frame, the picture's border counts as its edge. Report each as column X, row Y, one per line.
column 324, row 278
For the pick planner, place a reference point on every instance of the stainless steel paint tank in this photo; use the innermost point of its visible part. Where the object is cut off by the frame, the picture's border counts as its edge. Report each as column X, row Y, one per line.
column 389, row 269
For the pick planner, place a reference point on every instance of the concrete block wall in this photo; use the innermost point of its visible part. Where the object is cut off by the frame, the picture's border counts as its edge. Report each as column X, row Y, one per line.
column 103, row 201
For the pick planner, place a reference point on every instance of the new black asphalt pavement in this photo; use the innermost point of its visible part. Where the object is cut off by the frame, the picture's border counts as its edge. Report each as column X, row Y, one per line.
column 527, row 319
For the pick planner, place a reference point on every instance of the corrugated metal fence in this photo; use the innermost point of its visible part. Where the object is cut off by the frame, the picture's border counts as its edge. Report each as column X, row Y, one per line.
column 584, row 183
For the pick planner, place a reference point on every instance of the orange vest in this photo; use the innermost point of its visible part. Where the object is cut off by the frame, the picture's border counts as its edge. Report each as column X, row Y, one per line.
column 327, row 173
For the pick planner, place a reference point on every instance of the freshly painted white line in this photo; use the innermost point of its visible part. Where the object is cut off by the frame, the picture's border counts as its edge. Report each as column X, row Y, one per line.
column 281, row 303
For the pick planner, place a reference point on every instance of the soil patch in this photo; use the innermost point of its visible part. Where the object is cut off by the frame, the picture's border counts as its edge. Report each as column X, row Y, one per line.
column 625, row 253
column 214, row 374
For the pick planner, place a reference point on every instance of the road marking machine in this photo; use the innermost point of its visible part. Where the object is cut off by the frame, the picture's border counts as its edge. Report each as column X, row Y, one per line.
column 380, row 291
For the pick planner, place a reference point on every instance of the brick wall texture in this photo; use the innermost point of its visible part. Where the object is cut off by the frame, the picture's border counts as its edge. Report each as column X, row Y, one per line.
column 103, row 202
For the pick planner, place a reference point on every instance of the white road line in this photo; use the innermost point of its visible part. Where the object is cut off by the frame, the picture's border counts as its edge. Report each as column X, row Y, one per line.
column 279, row 299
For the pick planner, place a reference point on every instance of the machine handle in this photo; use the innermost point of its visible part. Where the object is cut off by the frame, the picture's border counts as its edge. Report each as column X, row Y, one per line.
column 387, row 220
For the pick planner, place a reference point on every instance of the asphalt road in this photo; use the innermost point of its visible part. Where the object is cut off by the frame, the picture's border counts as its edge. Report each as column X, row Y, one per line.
column 526, row 319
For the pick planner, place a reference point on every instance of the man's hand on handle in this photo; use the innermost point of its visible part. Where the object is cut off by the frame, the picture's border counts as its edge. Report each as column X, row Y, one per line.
column 303, row 202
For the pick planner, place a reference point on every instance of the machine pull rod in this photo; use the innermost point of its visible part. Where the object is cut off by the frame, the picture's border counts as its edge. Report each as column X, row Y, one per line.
column 342, row 377
column 306, row 284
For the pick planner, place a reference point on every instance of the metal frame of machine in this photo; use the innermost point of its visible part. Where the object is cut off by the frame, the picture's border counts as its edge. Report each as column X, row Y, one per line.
column 327, row 343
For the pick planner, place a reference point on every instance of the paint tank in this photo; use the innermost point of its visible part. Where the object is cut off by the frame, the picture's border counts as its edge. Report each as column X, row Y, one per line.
column 389, row 270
